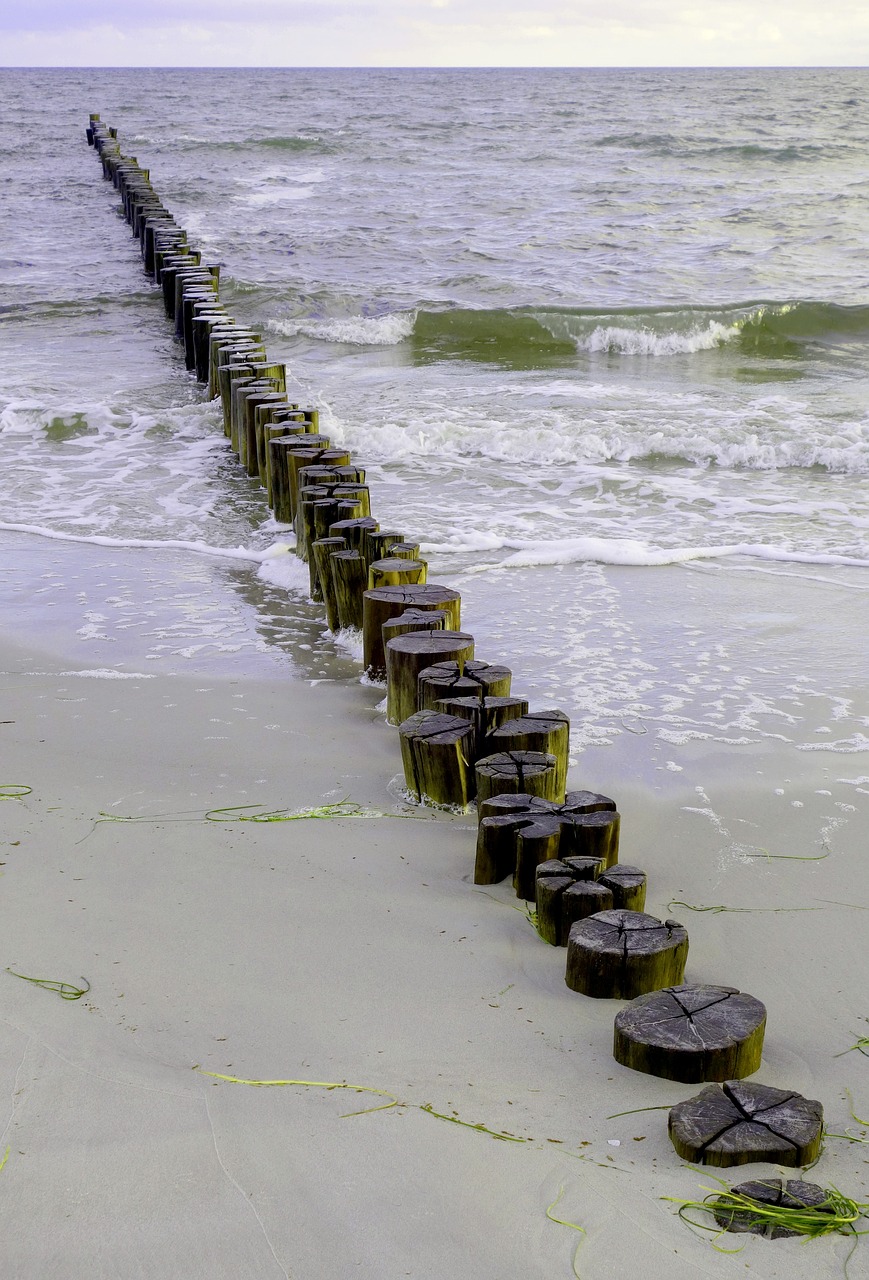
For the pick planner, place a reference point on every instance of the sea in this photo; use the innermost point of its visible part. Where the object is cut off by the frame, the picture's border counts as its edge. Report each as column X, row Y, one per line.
column 599, row 337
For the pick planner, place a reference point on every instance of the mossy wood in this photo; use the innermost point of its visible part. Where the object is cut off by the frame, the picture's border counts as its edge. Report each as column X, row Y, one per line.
column 435, row 756
column 242, row 391
column 475, row 680
column 414, row 620
column 394, row 572
column 692, row 1033
column 296, row 461
column 247, row 429
column 354, row 530
column 553, row 878
column 484, row 713
column 348, row 583
column 771, row 1193
column 377, row 546
column 536, row 842
column 388, row 602
column 280, row 451
column 405, row 550
column 323, row 549
column 619, row 955
column 407, row 655
column 740, row 1122
column 547, row 731
column 512, row 772
column 627, row 884
column 590, row 835
column 582, row 900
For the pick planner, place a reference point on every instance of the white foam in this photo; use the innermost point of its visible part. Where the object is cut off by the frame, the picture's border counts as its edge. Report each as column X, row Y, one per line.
column 107, row 673
column 286, row 570
column 361, row 331
column 625, row 551
column 170, row 544
column 645, row 342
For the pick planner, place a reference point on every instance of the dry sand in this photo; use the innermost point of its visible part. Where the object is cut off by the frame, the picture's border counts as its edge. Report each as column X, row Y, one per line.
column 357, row 950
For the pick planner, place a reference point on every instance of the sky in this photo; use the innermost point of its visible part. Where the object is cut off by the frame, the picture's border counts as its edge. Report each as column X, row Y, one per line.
column 434, row 33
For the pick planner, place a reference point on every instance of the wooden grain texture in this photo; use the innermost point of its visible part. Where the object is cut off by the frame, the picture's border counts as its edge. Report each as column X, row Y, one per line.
column 409, row 654
column 435, row 756
column 740, row 1122
column 692, row 1032
column 627, row 885
column 533, row 772
column 475, row 679
column 388, row 602
column 619, row 955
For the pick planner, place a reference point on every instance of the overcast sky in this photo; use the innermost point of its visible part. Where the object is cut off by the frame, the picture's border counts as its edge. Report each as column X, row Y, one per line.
column 419, row 33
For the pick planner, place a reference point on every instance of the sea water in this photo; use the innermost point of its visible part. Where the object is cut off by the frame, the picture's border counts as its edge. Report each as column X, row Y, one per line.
column 599, row 338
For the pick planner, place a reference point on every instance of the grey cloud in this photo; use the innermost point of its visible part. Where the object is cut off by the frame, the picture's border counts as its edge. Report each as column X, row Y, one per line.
column 59, row 15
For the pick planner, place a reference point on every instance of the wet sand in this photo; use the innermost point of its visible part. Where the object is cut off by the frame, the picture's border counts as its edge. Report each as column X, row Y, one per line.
column 358, row 951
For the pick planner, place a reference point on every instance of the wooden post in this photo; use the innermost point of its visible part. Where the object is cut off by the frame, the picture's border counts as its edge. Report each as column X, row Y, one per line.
column 281, row 452
column 742, row 1122
column 395, row 573
column 323, row 549
column 539, row 731
column 476, row 679
column 627, row 885
column 348, row 583
column 484, row 713
column 414, row 620
column 512, row 772
column 378, row 545
column 384, row 603
column 618, row 955
column 691, row 1033
column 407, row 655
column 435, row 758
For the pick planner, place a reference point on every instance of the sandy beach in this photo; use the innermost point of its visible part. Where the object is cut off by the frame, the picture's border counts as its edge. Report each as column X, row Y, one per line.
column 357, row 951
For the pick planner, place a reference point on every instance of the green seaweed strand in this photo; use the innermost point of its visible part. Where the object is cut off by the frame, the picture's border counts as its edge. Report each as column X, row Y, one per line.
column 480, row 1128
column 563, row 1222
column 66, row 990
column 717, row 908
column 837, row 1214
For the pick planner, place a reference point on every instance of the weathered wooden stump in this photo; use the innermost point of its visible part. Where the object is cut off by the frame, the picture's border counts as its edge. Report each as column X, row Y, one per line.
column 553, row 879
column 538, row 731
column 388, row 602
column 378, row 545
column 512, row 772
column 627, row 885
column 405, row 550
column 536, row 842
column 740, row 1123
column 409, row 654
column 348, row 583
column 581, row 900
column 692, row 1033
column 394, row 572
column 619, row 955
column 591, row 835
column 435, row 755
column 284, row 464
column 414, row 620
column 760, row 1197
column 474, row 680
column 323, row 549
column 485, row 713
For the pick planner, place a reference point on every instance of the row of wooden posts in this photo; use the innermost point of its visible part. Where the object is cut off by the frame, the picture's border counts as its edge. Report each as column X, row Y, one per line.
column 465, row 737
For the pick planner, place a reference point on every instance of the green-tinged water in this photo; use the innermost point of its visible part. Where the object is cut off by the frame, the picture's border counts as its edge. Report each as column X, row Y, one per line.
column 583, row 328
